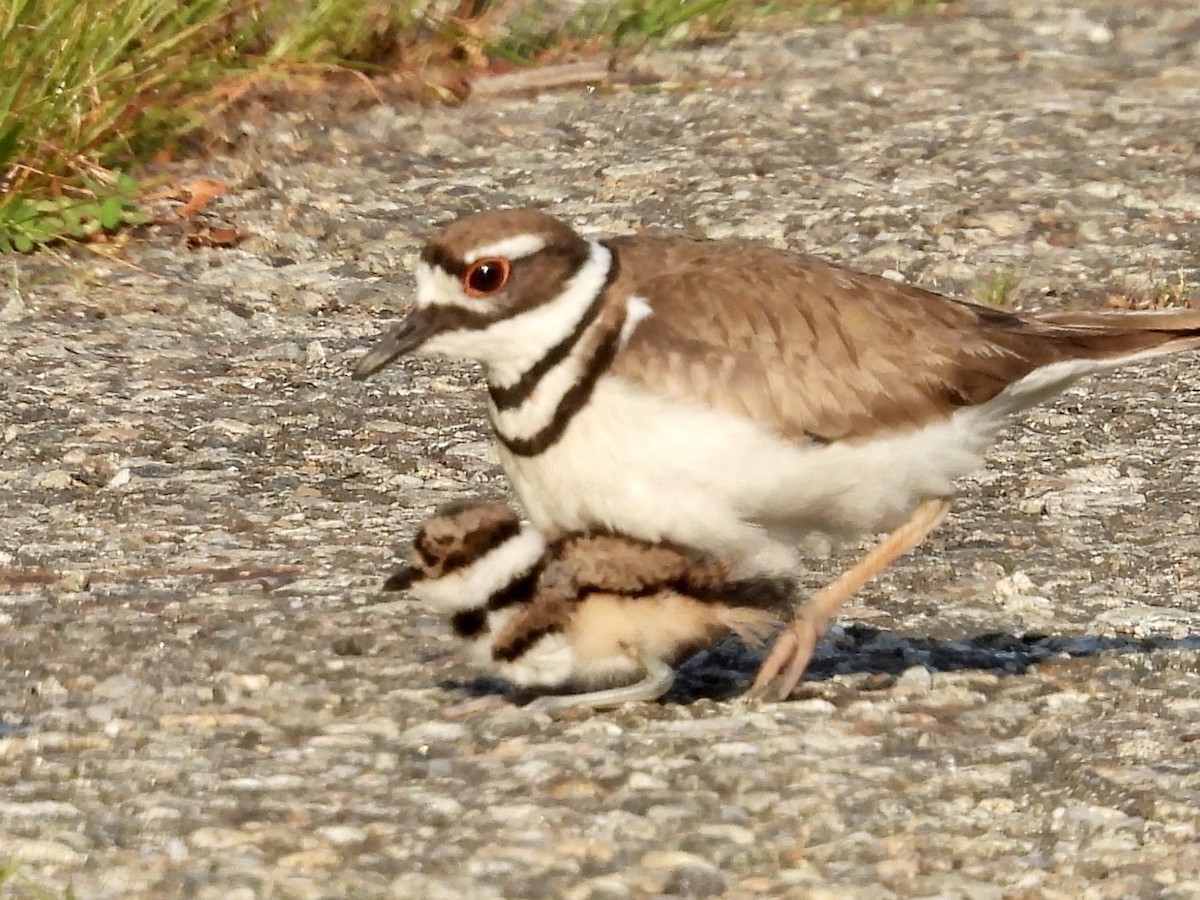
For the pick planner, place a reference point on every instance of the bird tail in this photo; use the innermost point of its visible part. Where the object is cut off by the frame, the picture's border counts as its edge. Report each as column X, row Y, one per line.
column 1121, row 335
column 1076, row 344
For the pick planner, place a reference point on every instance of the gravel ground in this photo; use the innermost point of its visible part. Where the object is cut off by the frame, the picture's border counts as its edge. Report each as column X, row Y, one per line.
column 204, row 695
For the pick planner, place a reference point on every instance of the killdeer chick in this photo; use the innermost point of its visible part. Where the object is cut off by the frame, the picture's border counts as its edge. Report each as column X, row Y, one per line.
column 733, row 397
column 601, row 613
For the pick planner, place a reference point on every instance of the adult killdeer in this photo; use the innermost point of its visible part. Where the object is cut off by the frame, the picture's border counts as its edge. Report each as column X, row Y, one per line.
column 583, row 611
column 732, row 397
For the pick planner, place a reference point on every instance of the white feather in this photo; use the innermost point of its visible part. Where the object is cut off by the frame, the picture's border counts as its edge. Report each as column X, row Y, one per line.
column 550, row 662
column 539, row 407
column 659, row 468
column 437, row 287
column 516, row 247
column 655, row 467
column 470, row 586
column 1042, row 384
column 479, row 647
column 637, row 309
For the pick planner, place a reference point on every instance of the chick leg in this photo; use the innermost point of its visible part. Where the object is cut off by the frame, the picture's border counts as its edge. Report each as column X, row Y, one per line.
column 656, row 681
column 784, row 666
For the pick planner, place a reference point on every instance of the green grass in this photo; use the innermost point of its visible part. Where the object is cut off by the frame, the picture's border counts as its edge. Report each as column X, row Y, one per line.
column 999, row 288
column 89, row 88
column 20, row 886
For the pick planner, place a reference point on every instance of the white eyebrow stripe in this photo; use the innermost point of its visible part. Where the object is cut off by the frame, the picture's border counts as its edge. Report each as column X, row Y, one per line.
column 516, row 247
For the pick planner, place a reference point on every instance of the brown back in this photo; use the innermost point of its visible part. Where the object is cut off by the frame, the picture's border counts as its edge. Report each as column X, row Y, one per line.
column 821, row 353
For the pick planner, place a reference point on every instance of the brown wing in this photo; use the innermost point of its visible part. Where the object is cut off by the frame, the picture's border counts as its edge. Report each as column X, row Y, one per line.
column 617, row 564
column 812, row 350
column 583, row 564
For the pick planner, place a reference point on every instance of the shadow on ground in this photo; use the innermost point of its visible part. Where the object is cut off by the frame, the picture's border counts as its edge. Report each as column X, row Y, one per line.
column 724, row 671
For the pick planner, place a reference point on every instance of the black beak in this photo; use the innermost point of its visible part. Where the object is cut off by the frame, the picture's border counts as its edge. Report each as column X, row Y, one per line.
column 402, row 579
column 406, row 337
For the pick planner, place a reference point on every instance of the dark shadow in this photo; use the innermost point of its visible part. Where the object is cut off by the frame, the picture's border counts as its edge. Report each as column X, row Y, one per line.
column 483, row 686
column 725, row 670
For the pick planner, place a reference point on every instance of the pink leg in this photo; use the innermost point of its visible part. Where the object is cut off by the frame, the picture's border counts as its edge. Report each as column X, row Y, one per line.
column 784, row 666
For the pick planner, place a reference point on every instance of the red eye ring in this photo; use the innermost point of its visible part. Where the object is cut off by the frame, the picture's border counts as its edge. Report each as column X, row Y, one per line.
column 486, row 276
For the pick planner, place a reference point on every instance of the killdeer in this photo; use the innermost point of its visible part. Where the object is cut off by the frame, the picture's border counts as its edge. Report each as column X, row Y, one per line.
column 585, row 611
column 733, row 397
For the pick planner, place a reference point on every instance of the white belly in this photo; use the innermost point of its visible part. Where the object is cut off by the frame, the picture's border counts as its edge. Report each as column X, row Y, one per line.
column 663, row 469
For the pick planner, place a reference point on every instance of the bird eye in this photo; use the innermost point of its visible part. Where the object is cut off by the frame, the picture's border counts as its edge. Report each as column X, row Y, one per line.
column 486, row 276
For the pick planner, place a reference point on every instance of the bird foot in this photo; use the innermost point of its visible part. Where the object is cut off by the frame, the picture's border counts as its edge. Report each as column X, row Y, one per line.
column 784, row 666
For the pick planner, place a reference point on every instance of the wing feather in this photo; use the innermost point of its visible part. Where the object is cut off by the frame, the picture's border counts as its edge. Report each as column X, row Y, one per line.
column 819, row 353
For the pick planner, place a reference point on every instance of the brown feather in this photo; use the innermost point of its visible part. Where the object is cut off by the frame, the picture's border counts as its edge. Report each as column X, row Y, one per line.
column 821, row 353
column 651, row 583
column 624, row 565
column 544, row 615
